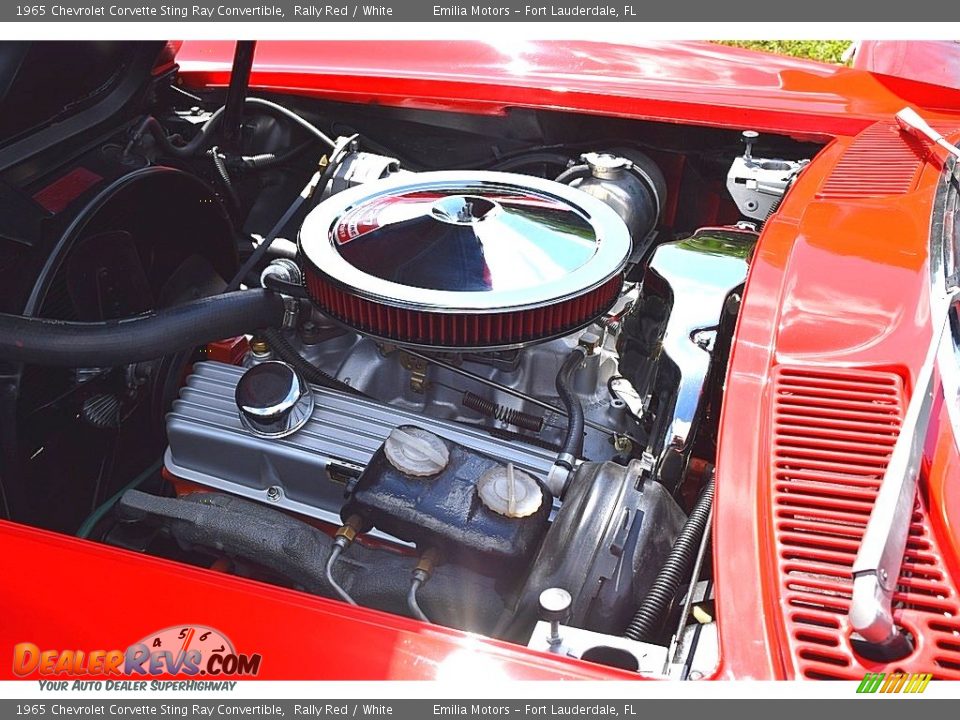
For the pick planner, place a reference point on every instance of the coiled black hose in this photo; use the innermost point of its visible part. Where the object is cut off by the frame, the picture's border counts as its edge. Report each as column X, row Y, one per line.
column 573, row 440
column 41, row 341
column 648, row 621
column 310, row 372
column 221, row 167
column 268, row 160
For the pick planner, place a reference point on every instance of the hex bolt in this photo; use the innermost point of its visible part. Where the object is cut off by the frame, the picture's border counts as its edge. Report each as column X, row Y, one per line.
column 621, row 443
column 555, row 608
column 274, row 493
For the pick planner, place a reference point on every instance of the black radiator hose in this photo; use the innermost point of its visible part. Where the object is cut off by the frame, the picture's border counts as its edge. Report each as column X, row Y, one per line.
column 41, row 341
column 572, row 447
column 648, row 621
column 310, row 372
column 577, row 172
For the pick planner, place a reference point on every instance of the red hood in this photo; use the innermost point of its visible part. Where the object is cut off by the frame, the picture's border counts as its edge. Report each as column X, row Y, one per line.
column 686, row 82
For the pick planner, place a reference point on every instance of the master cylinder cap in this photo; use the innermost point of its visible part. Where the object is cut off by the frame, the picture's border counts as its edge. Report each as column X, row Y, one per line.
column 510, row 491
column 415, row 451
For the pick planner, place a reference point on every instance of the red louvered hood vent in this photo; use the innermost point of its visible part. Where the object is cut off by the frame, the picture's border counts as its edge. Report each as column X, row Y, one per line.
column 882, row 160
column 834, row 431
column 464, row 260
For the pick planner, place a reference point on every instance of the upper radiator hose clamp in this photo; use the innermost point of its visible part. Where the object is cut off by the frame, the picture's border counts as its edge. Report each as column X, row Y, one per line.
column 284, row 276
column 558, row 478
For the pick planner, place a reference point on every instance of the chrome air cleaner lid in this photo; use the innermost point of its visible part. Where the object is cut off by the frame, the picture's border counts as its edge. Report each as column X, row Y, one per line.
column 464, row 259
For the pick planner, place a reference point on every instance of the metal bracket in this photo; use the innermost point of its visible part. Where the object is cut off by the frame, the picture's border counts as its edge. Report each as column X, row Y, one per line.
column 645, row 658
column 758, row 184
column 417, row 367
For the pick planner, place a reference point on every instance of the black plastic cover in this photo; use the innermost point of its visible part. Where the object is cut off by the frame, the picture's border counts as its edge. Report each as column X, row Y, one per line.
column 445, row 512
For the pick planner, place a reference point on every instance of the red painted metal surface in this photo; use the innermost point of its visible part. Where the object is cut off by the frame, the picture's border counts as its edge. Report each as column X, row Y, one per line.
column 881, row 161
column 835, row 283
column 934, row 62
column 833, row 432
column 679, row 82
column 88, row 596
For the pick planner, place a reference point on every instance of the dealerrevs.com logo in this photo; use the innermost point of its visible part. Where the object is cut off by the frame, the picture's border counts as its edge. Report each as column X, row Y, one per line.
column 186, row 651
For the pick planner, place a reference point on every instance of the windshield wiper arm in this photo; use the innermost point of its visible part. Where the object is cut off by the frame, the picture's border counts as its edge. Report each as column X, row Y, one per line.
column 910, row 121
column 876, row 570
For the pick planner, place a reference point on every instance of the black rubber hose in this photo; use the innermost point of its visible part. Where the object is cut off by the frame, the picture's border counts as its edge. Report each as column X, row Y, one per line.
column 284, row 287
column 512, row 164
column 647, row 622
column 413, row 603
column 573, row 440
column 294, row 117
column 310, row 372
column 152, row 125
column 40, row 341
column 570, row 174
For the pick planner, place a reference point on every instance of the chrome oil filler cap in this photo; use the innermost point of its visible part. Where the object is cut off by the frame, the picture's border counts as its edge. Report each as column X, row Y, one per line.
column 273, row 400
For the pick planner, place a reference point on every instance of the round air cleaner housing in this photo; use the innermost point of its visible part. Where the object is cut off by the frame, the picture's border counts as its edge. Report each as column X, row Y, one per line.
column 464, row 260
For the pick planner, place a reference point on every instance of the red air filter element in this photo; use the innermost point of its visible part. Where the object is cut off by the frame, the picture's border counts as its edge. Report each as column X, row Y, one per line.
column 464, row 260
